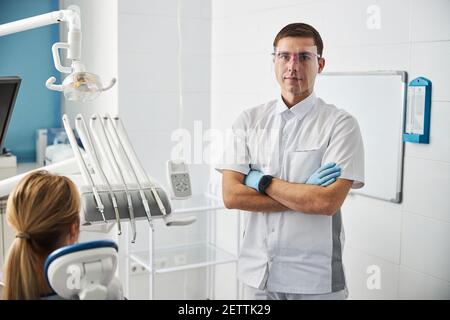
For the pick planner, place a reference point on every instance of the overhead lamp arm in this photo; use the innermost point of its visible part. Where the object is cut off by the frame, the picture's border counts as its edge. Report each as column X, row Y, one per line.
column 71, row 16
column 80, row 85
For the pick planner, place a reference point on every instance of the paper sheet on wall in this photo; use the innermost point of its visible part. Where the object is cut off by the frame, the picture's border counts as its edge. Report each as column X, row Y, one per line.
column 416, row 110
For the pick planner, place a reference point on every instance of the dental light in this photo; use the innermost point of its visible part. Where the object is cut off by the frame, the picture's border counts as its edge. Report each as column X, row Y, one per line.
column 79, row 85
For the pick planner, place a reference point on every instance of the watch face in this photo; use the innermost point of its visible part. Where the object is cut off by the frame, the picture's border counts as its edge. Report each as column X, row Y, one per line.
column 265, row 181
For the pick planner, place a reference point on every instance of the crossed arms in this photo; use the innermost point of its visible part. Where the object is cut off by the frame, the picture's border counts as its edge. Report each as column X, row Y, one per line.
column 283, row 195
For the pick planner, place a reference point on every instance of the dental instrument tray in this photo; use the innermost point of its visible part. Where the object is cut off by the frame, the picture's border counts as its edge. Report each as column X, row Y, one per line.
column 91, row 215
column 115, row 185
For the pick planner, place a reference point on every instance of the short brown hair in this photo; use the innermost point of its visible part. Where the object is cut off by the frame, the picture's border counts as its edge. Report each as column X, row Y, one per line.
column 300, row 30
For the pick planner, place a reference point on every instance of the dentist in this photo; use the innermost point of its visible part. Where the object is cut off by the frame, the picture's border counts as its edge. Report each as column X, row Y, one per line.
column 294, row 160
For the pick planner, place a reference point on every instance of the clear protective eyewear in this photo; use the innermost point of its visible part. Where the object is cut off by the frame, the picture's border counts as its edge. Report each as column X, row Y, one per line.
column 306, row 55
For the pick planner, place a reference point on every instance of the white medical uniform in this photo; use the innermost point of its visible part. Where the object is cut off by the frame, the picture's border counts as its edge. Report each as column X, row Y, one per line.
column 294, row 252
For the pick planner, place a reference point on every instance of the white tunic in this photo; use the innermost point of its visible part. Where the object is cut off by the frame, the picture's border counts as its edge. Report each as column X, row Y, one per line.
column 290, row 251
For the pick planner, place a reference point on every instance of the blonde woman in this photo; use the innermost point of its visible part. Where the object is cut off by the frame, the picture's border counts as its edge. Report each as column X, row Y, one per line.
column 43, row 210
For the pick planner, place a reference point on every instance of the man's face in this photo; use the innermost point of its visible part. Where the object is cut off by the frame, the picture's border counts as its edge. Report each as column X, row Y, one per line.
column 296, row 66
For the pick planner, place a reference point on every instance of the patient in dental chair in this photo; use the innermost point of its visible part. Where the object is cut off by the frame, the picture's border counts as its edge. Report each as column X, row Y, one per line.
column 43, row 210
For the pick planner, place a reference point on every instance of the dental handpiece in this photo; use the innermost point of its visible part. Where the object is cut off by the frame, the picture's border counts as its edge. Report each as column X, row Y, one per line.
column 127, row 192
column 168, row 219
column 124, row 152
column 88, row 143
column 83, row 167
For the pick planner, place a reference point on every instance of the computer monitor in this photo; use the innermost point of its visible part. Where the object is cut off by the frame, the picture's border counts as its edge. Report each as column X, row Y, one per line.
column 9, row 87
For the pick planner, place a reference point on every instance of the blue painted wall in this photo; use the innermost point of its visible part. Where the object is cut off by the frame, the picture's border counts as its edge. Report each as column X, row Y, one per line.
column 28, row 54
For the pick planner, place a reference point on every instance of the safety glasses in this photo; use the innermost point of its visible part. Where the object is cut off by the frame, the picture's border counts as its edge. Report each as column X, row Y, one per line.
column 306, row 55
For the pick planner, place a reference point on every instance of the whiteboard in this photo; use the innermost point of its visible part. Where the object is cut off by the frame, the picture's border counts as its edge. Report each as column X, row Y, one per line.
column 377, row 100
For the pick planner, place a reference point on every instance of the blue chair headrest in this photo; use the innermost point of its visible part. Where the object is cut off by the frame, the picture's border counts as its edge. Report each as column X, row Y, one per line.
column 75, row 248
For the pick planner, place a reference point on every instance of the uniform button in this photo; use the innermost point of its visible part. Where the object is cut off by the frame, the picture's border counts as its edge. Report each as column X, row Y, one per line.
column 273, row 229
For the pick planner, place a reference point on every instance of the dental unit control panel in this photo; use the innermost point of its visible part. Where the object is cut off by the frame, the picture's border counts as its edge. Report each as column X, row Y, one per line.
column 178, row 179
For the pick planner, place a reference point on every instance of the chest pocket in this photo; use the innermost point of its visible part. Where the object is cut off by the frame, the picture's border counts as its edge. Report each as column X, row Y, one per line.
column 301, row 164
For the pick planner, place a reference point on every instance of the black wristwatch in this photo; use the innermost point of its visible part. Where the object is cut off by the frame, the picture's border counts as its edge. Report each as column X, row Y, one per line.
column 264, row 183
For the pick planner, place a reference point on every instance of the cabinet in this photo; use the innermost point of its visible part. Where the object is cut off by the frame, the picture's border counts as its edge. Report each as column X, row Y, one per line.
column 184, row 262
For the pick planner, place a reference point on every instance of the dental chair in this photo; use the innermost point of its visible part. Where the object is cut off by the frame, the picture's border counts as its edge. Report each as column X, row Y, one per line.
column 85, row 271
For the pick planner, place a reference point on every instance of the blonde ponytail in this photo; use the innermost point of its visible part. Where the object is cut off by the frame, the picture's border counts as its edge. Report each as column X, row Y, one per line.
column 41, row 210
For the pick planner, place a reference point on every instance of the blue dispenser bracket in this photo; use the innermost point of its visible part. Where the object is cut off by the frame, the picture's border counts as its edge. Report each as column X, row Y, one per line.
column 418, row 108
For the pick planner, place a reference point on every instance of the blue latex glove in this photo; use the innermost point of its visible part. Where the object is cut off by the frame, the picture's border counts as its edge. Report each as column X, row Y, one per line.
column 252, row 179
column 325, row 175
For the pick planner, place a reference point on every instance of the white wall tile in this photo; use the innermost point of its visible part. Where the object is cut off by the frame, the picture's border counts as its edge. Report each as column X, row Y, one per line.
column 430, row 60
column 364, row 58
column 197, row 108
column 186, row 235
column 240, row 73
column 89, row 235
column 195, row 37
column 272, row 92
column 262, row 5
column 149, row 111
column 188, row 284
column 168, row 8
column 143, row 235
column 224, row 8
column 153, row 149
column 373, row 226
column 328, row 18
column 426, row 187
column 226, row 235
column 272, row 21
column 394, row 22
column 237, row 35
column 416, row 285
column 142, row 33
column 199, row 9
column 225, row 110
column 144, row 7
column 144, row 72
column 430, row 20
column 139, row 287
column 439, row 146
column 149, row 77
column 269, row 88
column 426, row 245
column 225, row 283
column 199, row 177
column 196, row 73
column 226, row 107
column 358, row 271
